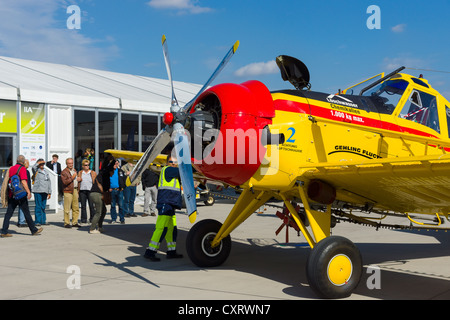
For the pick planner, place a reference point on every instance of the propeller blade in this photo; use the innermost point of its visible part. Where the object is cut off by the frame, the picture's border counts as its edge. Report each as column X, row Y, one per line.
column 155, row 148
column 169, row 69
column 216, row 72
column 183, row 153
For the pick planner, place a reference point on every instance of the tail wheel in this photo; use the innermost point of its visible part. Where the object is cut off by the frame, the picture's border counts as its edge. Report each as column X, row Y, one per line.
column 334, row 268
column 210, row 200
column 198, row 244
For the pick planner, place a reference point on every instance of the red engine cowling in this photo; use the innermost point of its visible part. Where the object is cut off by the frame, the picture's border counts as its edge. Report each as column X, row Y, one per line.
column 232, row 151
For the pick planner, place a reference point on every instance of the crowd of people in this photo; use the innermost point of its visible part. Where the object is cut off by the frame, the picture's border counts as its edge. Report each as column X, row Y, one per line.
column 79, row 189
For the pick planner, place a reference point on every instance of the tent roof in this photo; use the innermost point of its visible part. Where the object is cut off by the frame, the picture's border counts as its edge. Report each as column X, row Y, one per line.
column 67, row 85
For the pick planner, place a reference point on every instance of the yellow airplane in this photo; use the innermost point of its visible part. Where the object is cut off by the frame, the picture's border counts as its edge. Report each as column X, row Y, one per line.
column 380, row 146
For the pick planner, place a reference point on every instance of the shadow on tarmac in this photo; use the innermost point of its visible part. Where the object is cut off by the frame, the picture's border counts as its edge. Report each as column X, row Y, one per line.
column 286, row 264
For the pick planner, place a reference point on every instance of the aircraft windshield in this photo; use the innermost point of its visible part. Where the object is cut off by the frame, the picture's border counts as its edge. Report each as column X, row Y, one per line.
column 387, row 94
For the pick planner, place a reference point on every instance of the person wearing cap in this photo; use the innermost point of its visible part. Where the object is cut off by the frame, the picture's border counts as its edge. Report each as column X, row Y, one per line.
column 42, row 189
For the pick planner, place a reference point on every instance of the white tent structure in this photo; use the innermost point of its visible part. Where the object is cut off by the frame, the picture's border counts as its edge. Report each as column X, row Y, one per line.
column 50, row 108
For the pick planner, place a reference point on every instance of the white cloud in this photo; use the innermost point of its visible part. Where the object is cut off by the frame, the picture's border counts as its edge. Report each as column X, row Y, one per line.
column 30, row 29
column 399, row 28
column 182, row 6
column 257, row 69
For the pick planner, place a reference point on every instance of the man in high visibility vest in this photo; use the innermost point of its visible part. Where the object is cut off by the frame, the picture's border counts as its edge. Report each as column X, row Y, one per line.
column 169, row 199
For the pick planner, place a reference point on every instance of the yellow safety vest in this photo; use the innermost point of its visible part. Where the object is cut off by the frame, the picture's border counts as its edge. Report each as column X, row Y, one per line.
column 173, row 184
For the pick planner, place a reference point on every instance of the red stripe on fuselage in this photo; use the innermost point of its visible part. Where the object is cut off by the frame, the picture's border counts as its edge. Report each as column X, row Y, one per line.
column 342, row 116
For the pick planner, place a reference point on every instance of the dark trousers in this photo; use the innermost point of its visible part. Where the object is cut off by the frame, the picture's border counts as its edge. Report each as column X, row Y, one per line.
column 23, row 204
column 100, row 210
column 84, row 196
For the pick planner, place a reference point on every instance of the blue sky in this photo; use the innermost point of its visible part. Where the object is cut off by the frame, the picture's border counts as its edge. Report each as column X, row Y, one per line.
column 330, row 37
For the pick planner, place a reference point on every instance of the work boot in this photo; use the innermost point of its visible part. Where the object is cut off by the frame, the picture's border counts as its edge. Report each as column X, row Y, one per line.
column 151, row 255
column 173, row 255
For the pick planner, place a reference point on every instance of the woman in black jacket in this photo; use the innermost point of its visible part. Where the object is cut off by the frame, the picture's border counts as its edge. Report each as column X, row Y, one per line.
column 100, row 194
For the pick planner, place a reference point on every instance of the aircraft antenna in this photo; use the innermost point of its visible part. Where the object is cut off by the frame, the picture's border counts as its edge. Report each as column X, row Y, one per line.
column 428, row 70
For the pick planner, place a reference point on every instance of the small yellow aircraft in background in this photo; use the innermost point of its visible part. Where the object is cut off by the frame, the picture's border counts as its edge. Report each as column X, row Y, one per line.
column 380, row 146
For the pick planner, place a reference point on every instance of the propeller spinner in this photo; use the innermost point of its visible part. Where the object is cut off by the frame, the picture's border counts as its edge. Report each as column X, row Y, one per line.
column 175, row 122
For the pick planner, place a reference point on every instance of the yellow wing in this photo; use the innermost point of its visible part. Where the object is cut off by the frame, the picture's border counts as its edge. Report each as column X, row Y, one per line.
column 157, row 164
column 418, row 184
column 134, row 156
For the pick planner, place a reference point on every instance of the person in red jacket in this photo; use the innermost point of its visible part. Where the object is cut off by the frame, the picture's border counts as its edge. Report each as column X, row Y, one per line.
column 22, row 203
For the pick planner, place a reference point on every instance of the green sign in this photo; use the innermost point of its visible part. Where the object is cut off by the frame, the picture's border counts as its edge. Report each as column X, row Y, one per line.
column 32, row 118
column 8, row 116
column 32, row 131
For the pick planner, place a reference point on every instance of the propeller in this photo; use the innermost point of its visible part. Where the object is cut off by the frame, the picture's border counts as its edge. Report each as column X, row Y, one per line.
column 175, row 122
column 169, row 71
column 216, row 72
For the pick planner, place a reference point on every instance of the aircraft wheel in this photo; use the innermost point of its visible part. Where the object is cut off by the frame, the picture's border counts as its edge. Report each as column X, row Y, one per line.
column 198, row 244
column 334, row 268
column 210, row 200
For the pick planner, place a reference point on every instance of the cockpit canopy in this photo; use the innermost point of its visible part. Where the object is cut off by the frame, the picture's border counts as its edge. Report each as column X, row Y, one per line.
column 420, row 107
column 387, row 94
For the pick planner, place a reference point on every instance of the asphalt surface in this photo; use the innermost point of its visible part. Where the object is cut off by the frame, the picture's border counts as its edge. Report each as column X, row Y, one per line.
column 73, row 264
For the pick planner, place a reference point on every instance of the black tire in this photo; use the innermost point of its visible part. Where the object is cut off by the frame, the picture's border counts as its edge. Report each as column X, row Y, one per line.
column 334, row 268
column 210, row 200
column 198, row 245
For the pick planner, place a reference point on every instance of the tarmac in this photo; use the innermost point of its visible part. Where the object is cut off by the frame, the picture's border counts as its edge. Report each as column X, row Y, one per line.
column 71, row 264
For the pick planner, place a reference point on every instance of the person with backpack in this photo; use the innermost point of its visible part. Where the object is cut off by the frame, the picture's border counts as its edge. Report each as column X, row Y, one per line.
column 18, row 195
column 21, row 221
